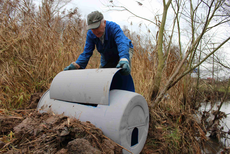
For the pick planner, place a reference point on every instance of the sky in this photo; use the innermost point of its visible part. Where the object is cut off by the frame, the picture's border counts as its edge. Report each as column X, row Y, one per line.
column 144, row 10
column 147, row 9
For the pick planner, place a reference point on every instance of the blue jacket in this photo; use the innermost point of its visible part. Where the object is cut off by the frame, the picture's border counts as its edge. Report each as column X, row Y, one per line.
column 116, row 46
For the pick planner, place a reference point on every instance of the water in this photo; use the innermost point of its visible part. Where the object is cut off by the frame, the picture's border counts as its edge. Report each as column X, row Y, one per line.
column 214, row 146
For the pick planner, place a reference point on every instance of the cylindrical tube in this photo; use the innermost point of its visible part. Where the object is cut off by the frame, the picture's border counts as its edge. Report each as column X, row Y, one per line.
column 125, row 120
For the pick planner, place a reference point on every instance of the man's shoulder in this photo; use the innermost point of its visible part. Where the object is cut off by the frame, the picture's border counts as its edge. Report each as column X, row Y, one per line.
column 112, row 26
column 90, row 34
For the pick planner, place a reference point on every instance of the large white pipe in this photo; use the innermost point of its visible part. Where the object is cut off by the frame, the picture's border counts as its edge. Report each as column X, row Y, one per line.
column 125, row 120
column 124, row 117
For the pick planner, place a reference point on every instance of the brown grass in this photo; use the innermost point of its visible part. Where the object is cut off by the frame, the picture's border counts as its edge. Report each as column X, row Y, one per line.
column 34, row 48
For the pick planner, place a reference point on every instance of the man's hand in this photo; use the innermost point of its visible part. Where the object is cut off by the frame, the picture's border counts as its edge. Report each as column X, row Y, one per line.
column 124, row 64
column 72, row 66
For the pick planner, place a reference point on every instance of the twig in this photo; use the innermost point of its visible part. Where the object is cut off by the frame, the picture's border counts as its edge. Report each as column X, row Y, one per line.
column 68, row 121
column 8, row 143
column 10, row 117
column 29, row 142
column 24, row 110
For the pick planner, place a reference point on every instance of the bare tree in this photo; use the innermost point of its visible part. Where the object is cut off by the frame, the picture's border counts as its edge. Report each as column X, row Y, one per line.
column 200, row 18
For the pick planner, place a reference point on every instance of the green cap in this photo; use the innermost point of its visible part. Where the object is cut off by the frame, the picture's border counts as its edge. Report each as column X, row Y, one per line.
column 94, row 20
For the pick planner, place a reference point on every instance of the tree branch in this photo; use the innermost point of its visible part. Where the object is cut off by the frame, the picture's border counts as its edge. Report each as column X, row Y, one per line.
column 188, row 71
column 125, row 9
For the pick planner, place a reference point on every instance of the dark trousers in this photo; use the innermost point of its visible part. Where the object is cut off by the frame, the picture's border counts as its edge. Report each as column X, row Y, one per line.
column 113, row 64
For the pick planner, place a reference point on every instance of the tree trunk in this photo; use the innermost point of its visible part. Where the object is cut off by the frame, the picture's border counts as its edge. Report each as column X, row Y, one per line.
column 160, row 54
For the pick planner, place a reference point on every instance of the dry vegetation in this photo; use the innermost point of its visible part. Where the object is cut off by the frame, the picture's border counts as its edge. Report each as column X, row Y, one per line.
column 35, row 45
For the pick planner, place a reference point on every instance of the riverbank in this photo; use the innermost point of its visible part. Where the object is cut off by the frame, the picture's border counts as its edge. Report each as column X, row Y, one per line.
column 168, row 132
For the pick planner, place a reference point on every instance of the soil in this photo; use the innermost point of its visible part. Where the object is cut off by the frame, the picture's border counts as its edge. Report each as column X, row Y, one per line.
column 28, row 131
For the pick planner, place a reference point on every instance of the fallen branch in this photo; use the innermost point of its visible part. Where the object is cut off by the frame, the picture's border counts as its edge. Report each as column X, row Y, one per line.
column 11, row 117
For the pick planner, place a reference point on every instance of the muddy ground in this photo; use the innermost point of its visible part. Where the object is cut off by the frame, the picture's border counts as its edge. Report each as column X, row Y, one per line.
column 27, row 131
column 47, row 133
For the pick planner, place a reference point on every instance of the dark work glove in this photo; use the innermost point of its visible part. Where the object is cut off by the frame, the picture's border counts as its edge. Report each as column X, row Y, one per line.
column 70, row 67
column 124, row 65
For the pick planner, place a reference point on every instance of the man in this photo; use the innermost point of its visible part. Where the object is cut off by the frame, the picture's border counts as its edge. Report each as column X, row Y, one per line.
column 115, row 48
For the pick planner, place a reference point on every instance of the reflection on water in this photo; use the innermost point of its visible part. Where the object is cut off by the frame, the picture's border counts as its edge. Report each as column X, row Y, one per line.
column 213, row 146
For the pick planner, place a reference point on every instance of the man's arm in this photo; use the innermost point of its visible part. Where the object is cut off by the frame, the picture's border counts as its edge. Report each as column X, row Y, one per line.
column 83, row 59
column 123, row 43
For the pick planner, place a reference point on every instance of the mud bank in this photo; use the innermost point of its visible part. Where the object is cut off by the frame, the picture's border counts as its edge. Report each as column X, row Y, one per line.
column 47, row 133
column 28, row 131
